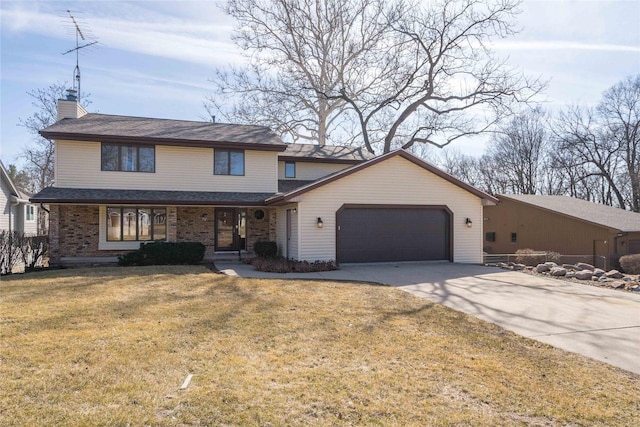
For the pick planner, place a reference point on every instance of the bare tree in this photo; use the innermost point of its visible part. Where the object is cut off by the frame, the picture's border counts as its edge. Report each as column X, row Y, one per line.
column 296, row 52
column 521, row 151
column 39, row 155
column 579, row 137
column 619, row 117
column 392, row 73
column 449, row 84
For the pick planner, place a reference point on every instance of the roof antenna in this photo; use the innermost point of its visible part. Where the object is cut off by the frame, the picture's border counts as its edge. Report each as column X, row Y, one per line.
column 79, row 35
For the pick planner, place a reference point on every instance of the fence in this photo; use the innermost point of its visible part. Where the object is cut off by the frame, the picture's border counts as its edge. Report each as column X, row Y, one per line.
column 542, row 257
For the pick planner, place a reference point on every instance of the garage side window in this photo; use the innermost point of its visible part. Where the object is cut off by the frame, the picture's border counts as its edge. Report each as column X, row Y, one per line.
column 490, row 236
column 514, row 237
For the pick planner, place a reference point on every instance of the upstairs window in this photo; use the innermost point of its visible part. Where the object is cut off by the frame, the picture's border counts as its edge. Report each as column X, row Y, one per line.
column 289, row 170
column 228, row 162
column 128, row 158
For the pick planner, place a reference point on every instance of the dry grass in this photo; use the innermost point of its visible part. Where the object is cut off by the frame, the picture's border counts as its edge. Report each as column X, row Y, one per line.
column 112, row 347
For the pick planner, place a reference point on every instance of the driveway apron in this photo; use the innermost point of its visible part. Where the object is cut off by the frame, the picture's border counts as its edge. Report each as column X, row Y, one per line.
column 600, row 323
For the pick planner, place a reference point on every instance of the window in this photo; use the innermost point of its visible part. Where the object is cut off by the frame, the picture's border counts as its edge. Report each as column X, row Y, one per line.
column 136, row 224
column 228, row 162
column 31, row 213
column 514, row 237
column 490, row 236
column 289, row 170
column 128, row 158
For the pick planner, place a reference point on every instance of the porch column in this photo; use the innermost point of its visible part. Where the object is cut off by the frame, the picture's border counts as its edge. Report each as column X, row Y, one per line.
column 172, row 224
column 54, row 234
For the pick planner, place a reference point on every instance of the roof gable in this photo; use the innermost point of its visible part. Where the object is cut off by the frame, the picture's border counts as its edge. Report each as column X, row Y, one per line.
column 488, row 199
column 111, row 128
column 583, row 210
column 10, row 184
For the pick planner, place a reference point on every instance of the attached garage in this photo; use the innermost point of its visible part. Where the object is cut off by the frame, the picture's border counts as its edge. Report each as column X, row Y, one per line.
column 388, row 233
column 392, row 208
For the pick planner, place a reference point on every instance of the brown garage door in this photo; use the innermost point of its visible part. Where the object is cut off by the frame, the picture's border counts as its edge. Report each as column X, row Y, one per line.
column 381, row 233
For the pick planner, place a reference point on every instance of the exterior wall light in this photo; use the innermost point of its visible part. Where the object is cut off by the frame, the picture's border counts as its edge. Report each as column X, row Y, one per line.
column 320, row 224
column 204, row 217
column 469, row 222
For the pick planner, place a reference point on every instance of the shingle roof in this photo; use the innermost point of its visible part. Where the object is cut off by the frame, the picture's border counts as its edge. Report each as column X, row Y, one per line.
column 286, row 185
column 104, row 127
column 607, row 216
column 331, row 153
column 91, row 196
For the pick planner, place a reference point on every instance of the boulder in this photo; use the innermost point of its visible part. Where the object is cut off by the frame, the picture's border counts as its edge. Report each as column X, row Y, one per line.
column 569, row 266
column 551, row 264
column 542, row 268
column 598, row 272
column 584, row 275
column 502, row 265
column 613, row 274
column 604, row 279
column 617, row 284
column 558, row 271
column 570, row 274
column 584, row 266
column 518, row 267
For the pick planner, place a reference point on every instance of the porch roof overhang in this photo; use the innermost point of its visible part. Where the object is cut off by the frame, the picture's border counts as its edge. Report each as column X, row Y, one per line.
column 58, row 195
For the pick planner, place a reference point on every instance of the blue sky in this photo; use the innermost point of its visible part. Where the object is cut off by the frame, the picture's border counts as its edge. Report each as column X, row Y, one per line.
column 154, row 58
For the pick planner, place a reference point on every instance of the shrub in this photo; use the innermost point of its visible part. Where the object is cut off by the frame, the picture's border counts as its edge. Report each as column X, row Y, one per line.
column 164, row 253
column 630, row 263
column 265, row 249
column 18, row 248
column 282, row 265
column 530, row 257
column 553, row 257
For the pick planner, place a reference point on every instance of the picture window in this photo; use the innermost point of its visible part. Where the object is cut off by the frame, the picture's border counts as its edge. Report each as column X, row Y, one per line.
column 228, row 162
column 136, row 224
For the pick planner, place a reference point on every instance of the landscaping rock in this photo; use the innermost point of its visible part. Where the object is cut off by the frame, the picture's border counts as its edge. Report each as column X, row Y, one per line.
column 628, row 279
column 558, row 271
column 570, row 274
column 584, row 275
column 502, row 265
column 635, row 288
column 614, row 274
column 551, row 264
column 585, row 266
column 617, row 284
column 604, row 279
column 518, row 267
column 542, row 268
column 569, row 266
column 511, row 263
column 598, row 272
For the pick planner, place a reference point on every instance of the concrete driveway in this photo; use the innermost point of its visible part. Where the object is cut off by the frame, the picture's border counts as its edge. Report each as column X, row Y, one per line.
column 600, row 323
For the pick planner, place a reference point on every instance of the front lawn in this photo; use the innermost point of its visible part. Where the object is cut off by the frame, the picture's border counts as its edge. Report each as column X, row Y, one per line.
column 112, row 346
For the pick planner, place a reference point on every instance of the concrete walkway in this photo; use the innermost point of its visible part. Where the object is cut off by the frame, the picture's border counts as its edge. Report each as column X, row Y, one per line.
column 600, row 323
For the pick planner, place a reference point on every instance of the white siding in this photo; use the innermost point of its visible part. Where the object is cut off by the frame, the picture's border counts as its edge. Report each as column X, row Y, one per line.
column 177, row 168
column 5, row 205
column 281, row 231
column 311, row 171
column 393, row 181
column 103, row 244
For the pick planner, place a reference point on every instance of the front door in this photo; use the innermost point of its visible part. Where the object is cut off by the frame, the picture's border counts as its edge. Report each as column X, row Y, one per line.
column 230, row 229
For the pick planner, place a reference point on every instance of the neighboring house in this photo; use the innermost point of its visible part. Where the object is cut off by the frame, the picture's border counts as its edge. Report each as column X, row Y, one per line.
column 125, row 180
column 562, row 224
column 17, row 213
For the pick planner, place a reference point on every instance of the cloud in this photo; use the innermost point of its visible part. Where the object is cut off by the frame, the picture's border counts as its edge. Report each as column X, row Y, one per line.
column 203, row 40
column 562, row 45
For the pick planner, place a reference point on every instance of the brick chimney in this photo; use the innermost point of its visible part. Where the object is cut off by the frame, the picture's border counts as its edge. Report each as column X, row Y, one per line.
column 69, row 108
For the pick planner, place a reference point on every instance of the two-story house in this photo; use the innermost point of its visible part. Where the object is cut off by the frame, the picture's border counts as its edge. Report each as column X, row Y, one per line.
column 123, row 180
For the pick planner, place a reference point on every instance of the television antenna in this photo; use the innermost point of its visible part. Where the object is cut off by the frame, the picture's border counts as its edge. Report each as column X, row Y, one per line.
column 79, row 36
